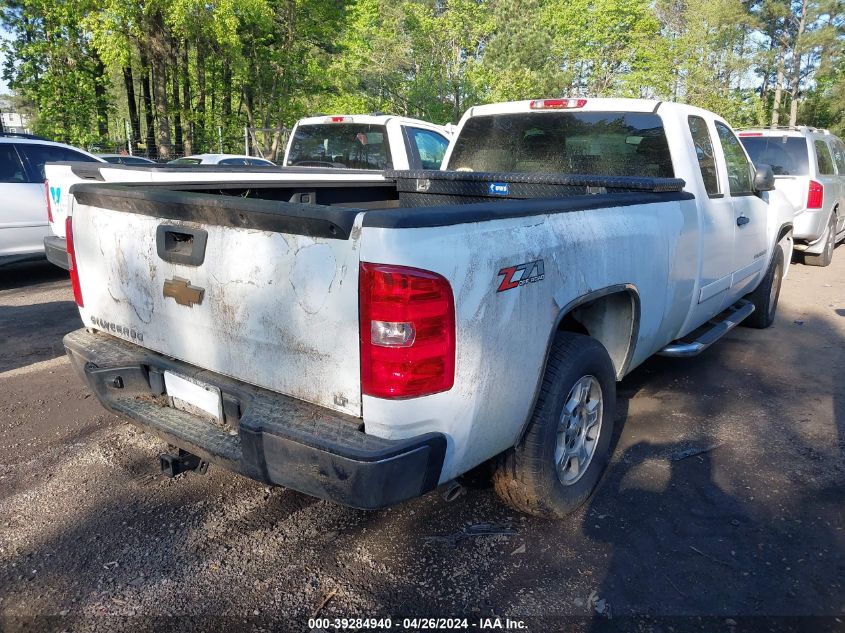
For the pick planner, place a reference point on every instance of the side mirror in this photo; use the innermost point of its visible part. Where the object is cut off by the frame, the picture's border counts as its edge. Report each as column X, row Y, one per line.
column 764, row 178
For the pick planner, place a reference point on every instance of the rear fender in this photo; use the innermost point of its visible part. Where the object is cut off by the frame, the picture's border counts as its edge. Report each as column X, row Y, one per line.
column 611, row 315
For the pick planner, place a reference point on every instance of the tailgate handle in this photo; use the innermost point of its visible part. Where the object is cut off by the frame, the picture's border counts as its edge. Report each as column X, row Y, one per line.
column 181, row 245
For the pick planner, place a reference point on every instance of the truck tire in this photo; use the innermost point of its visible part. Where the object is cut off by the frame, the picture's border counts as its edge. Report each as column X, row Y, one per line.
column 571, row 425
column 765, row 297
column 826, row 256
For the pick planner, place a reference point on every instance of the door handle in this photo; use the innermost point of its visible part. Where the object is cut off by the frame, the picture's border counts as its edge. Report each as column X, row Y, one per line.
column 742, row 220
column 181, row 245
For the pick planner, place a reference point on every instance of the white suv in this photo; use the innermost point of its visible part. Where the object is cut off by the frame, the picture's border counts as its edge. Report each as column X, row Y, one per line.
column 23, row 197
column 809, row 168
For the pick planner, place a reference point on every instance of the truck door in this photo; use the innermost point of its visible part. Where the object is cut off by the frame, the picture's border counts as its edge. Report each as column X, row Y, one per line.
column 23, row 212
column 749, row 212
column 717, row 225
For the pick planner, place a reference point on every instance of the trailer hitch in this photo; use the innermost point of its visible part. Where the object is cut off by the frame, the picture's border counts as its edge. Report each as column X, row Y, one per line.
column 181, row 462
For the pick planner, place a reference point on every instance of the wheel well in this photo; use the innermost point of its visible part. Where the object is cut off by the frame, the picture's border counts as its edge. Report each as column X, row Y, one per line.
column 612, row 319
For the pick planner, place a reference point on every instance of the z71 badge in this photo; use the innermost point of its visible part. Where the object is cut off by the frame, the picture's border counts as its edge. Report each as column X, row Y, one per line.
column 514, row 276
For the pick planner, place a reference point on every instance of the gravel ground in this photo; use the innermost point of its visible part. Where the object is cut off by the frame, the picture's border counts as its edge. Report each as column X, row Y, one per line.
column 723, row 508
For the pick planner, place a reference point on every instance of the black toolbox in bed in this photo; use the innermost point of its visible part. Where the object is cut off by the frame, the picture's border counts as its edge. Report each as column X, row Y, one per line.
column 433, row 187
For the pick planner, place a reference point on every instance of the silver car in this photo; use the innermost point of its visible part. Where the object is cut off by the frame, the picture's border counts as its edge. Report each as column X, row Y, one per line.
column 222, row 159
column 809, row 168
column 23, row 196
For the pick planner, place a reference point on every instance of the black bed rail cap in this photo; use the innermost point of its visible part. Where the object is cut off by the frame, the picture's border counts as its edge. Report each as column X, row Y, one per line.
column 249, row 213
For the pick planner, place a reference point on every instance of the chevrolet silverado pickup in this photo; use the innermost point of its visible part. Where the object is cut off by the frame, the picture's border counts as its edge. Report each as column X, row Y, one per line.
column 341, row 148
column 384, row 338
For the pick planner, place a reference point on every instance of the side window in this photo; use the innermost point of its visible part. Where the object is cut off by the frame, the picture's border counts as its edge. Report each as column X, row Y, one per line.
column 739, row 169
column 37, row 155
column 839, row 156
column 824, row 162
column 429, row 147
column 704, row 152
column 11, row 168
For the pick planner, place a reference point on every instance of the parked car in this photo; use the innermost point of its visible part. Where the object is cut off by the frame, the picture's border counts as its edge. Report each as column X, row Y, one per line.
column 385, row 338
column 222, row 159
column 388, row 142
column 361, row 141
column 23, row 215
column 809, row 168
column 126, row 159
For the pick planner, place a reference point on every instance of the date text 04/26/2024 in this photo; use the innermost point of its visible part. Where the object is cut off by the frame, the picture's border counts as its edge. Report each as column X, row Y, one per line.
column 417, row 624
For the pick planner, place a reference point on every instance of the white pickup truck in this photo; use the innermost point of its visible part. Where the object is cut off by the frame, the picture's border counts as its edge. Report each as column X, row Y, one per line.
column 347, row 148
column 388, row 337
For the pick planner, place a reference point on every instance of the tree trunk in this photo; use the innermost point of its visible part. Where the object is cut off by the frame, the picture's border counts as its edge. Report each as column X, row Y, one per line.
column 134, row 121
column 152, row 150
column 796, row 66
column 186, row 101
column 250, row 118
column 212, row 92
column 199, row 135
column 794, row 94
column 226, row 105
column 778, row 90
column 158, row 57
column 277, row 145
column 178, row 145
column 101, row 98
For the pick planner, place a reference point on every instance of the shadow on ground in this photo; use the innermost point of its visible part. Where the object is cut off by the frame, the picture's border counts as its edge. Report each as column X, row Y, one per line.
column 33, row 333
column 22, row 275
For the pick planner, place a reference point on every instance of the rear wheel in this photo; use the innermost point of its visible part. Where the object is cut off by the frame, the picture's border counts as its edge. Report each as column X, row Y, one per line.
column 765, row 297
column 566, row 446
column 826, row 256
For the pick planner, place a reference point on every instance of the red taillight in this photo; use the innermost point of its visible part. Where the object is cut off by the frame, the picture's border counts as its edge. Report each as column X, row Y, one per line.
column 557, row 104
column 49, row 206
column 751, row 134
column 815, row 195
column 338, row 119
column 71, row 261
column 407, row 332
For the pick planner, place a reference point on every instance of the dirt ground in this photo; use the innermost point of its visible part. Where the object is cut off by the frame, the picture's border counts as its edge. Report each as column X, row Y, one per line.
column 723, row 508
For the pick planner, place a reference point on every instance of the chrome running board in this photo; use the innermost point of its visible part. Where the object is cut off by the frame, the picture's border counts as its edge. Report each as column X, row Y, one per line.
column 700, row 339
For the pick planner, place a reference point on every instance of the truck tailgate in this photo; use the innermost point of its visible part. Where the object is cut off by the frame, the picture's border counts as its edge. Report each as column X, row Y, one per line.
column 61, row 176
column 271, row 298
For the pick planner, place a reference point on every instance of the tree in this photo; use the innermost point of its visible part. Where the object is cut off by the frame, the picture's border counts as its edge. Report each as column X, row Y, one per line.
column 51, row 65
column 184, row 71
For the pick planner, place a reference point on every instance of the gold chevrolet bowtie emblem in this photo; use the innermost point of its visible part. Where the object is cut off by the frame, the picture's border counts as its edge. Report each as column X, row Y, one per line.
column 183, row 292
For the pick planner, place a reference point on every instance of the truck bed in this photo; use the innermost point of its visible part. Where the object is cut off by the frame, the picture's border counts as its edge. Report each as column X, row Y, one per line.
column 406, row 199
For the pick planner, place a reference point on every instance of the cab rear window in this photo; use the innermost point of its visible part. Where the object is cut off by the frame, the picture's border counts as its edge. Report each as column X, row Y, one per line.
column 350, row 145
column 595, row 143
column 786, row 154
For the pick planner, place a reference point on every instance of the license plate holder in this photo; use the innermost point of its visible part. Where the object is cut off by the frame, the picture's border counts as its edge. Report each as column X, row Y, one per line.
column 194, row 396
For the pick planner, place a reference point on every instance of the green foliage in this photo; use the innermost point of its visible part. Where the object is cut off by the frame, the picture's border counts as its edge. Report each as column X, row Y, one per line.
column 49, row 63
column 265, row 63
